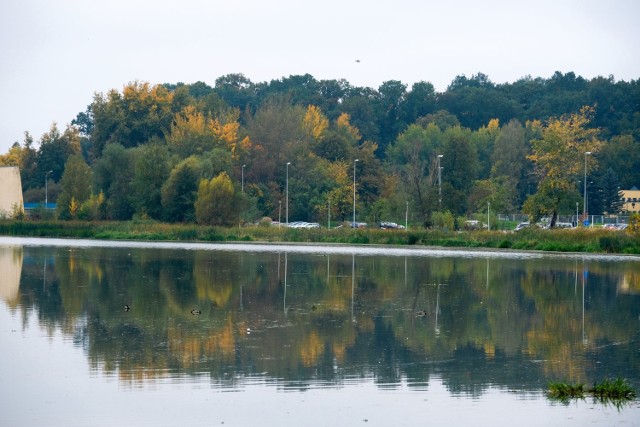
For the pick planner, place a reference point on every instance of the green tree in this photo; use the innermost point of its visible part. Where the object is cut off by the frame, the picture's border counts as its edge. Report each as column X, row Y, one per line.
column 216, row 203
column 460, row 166
column 414, row 158
column 76, row 186
column 509, row 163
column 150, row 173
column 180, row 191
column 113, row 173
column 132, row 117
column 55, row 149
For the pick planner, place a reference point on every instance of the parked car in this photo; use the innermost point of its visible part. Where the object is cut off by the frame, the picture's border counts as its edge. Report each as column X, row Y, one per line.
column 303, row 224
column 391, row 226
column 358, row 225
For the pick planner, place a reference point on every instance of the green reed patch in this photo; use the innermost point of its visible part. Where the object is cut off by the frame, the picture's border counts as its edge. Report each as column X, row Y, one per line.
column 612, row 391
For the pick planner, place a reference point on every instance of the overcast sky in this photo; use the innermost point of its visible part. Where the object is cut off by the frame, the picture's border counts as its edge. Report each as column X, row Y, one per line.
column 55, row 54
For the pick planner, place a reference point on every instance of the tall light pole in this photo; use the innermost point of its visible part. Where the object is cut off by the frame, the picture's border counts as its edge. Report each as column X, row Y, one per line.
column 243, row 166
column 488, row 221
column 46, row 189
column 584, row 200
column 354, row 192
column 287, row 203
column 439, row 181
column 406, row 217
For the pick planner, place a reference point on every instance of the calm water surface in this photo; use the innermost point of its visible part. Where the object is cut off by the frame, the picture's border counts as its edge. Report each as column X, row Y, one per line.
column 239, row 335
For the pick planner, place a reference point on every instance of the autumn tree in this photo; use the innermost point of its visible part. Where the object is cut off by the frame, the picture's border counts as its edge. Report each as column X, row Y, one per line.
column 559, row 158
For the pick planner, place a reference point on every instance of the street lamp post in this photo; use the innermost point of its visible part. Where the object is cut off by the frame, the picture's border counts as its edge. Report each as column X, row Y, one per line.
column 406, row 217
column 46, row 189
column 287, row 204
column 354, row 192
column 243, row 166
column 439, row 181
column 488, row 221
column 584, row 200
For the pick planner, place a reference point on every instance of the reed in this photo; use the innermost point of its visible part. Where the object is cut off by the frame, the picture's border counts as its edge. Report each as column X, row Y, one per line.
column 608, row 391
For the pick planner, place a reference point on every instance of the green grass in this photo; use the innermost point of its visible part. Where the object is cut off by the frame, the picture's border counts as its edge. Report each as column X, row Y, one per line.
column 581, row 240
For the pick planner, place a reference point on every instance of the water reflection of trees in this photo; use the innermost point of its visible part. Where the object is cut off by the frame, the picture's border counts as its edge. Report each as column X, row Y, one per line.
column 306, row 319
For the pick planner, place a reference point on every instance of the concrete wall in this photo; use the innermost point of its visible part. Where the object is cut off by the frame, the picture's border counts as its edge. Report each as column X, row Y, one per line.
column 10, row 190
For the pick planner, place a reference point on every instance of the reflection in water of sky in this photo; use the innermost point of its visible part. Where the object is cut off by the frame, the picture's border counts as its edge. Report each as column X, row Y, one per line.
column 493, row 331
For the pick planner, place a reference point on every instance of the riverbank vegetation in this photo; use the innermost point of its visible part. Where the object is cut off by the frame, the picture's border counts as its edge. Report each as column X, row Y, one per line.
column 573, row 240
column 615, row 391
column 306, row 150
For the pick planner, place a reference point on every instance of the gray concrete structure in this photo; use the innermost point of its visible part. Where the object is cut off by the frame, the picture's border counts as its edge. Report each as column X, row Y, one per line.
column 10, row 191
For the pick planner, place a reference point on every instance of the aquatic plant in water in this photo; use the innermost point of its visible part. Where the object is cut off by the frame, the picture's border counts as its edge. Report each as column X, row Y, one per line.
column 615, row 391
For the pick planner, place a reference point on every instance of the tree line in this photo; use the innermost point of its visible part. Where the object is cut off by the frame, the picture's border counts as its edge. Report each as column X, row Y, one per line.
column 294, row 148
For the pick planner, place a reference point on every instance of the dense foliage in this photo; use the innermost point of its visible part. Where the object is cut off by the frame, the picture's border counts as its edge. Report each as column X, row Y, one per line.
column 293, row 149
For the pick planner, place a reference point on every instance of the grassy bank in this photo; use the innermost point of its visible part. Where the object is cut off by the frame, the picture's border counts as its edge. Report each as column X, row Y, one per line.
column 580, row 240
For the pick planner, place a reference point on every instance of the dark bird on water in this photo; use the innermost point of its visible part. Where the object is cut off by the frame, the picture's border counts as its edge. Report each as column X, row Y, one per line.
column 421, row 313
column 195, row 311
column 126, row 307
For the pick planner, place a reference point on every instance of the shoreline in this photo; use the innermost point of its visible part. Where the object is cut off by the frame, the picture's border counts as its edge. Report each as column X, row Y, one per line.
column 574, row 241
column 310, row 248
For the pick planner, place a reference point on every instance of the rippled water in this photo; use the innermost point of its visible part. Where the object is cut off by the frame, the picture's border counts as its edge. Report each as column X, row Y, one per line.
column 315, row 335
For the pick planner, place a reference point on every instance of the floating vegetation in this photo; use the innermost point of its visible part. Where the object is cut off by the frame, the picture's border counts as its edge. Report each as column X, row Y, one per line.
column 615, row 392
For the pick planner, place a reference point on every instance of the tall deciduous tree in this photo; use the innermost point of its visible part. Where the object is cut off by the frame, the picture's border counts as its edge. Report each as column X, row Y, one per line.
column 509, row 163
column 180, row 191
column 414, row 156
column 151, row 171
column 460, row 166
column 113, row 173
column 76, row 186
column 559, row 157
column 216, row 203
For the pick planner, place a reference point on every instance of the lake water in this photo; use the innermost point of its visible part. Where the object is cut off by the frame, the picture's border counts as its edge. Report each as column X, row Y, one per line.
column 141, row 334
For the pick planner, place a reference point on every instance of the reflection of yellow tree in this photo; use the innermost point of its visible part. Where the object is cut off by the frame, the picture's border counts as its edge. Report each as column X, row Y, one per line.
column 310, row 349
column 190, row 345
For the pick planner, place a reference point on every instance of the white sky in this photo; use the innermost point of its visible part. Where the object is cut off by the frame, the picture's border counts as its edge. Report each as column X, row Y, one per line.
column 55, row 54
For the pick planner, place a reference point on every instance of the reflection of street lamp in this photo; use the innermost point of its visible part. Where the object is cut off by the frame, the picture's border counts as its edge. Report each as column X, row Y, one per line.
column 584, row 206
column 439, row 181
column 46, row 189
column 243, row 166
column 354, row 192
column 287, row 204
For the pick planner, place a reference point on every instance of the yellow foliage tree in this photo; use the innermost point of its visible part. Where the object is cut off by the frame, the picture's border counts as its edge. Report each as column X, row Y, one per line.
column 315, row 123
column 344, row 122
column 557, row 156
column 73, row 207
